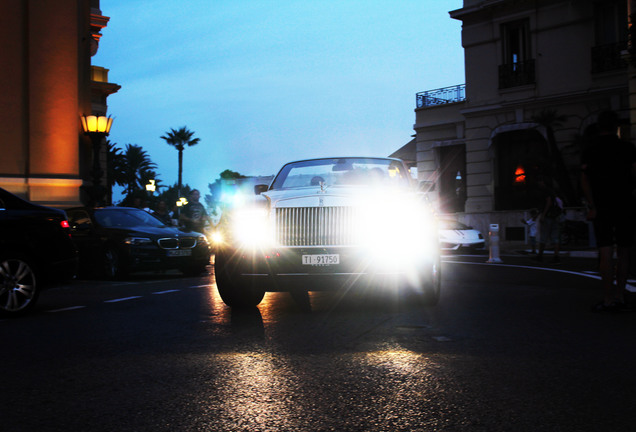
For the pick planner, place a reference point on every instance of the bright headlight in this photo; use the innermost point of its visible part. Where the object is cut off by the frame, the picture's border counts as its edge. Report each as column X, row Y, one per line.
column 252, row 228
column 137, row 241
column 399, row 230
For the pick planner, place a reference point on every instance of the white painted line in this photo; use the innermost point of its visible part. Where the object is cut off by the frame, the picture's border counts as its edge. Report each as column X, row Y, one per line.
column 122, row 299
column 629, row 287
column 201, row 286
column 166, row 291
column 66, row 309
column 442, row 339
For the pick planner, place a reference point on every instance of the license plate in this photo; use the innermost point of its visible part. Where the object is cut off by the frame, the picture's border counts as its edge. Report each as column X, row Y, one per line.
column 179, row 252
column 322, row 259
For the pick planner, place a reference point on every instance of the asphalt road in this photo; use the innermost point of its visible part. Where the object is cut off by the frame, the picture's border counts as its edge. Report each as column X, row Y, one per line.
column 511, row 347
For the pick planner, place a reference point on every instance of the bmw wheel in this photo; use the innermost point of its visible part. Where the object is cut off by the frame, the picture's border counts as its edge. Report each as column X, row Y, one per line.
column 112, row 266
column 19, row 288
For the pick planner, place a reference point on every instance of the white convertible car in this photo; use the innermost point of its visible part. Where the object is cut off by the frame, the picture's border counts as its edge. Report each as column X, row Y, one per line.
column 331, row 224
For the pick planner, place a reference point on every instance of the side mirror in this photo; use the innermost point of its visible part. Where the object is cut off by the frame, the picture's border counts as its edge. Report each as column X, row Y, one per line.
column 260, row 188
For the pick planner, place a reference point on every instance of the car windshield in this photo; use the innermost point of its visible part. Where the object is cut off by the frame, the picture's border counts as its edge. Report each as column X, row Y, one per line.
column 342, row 172
column 124, row 218
column 452, row 225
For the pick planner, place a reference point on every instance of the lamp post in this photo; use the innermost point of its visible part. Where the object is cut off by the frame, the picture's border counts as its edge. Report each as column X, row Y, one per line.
column 96, row 127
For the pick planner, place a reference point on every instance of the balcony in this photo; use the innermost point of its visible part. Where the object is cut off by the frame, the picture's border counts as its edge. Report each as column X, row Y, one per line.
column 516, row 74
column 608, row 57
column 441, row 96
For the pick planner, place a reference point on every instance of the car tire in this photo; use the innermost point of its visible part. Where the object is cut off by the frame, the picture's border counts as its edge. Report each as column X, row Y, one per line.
column 19, row 287
column 112, row 266
column 235, row 292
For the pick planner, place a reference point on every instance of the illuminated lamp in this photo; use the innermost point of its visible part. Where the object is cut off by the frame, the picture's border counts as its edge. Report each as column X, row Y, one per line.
column 96, row 127
column 182, row 202
column 520, row 175
column 151, row 187
column 96, row 124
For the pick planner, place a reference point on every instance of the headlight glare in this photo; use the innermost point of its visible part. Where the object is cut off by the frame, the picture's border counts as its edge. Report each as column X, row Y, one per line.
column 251, row 228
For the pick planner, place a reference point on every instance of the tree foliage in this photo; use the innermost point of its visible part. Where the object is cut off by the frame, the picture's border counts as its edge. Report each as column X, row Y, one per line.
column 132, row 169
column 180, row 139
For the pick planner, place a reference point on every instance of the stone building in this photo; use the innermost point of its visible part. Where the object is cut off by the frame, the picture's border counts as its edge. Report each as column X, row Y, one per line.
column 538, row 73
column 49, row 84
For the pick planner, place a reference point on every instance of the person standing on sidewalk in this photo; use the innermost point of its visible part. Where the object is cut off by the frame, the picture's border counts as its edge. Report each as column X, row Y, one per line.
column 608, row 174
column 550, row 222
column 193, row 215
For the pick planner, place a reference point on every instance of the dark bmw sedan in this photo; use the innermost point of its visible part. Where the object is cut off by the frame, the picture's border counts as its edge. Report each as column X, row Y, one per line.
column 35, row 250
column 115, row 241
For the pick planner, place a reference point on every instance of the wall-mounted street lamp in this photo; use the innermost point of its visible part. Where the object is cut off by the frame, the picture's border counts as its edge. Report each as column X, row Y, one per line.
column 97, row 124
column 96, row 127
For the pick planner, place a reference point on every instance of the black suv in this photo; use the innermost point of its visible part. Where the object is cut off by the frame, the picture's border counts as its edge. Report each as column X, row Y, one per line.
column 36, row 249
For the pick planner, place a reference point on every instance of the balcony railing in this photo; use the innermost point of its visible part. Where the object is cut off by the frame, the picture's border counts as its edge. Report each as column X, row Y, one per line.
column 516, row 74
column 441, row 96
column 608, row 57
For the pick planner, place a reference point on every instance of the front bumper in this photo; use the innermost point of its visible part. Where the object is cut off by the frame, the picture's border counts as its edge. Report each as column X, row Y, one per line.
column 280, row 268
column 152, row 258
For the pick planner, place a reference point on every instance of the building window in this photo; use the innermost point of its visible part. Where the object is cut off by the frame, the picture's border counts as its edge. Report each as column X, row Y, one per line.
column 610, row 35
column 452, row 179
column 522, row 159
column 517, row 67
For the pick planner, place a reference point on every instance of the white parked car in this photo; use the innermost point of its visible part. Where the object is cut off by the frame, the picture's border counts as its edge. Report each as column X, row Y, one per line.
column 331, row 224
column 454, row 235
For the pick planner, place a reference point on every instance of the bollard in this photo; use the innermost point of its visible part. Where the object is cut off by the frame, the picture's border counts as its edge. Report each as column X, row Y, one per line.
column 494, row 244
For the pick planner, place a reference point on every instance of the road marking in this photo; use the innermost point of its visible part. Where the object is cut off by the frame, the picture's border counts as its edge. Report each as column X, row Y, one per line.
column 442, row 339
column 629, row 287
column 166, row 291
column 122, row 299
column 201, row 286
column 66, row 309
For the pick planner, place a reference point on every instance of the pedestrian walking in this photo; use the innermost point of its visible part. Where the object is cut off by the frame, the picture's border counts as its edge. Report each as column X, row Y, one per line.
column 608, row 174
column 531, row 223
column 193, row 215
column 550, row 222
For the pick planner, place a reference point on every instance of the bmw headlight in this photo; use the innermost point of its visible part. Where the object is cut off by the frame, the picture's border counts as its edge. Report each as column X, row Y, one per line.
column 137, row 241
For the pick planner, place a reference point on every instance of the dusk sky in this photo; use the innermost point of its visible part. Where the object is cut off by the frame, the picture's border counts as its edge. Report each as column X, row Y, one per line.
column 263, row 82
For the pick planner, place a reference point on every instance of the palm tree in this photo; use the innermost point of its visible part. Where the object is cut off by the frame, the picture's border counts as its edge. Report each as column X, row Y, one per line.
column 179, row 139
column 136, row 168
column 114, row 168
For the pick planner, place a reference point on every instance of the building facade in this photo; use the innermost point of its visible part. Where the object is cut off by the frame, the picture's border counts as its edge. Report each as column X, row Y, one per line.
column 49, row 84
column 538, row 73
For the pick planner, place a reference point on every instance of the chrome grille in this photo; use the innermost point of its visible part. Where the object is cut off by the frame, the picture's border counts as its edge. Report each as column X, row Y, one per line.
column 177, row 243
column 316, row 226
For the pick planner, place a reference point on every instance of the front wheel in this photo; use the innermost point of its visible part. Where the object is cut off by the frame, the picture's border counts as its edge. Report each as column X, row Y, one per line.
column 112, row 265
column 234, row 291
column 19, row 287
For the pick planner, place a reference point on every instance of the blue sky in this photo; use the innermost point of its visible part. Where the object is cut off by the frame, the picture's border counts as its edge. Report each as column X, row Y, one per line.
column 262, row 82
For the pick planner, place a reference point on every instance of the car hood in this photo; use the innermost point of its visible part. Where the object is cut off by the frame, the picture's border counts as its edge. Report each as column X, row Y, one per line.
column 332, row 196
column 152, row 232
